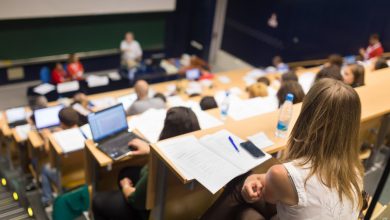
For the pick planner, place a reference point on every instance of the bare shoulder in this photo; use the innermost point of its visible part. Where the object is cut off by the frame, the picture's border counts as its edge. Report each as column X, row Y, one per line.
column 278, row 177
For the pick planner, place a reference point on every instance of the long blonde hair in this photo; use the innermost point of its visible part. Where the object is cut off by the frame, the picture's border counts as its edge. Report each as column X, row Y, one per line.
column 326, row 136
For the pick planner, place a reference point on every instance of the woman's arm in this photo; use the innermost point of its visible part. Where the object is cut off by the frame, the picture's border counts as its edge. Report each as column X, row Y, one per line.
column 274, row 186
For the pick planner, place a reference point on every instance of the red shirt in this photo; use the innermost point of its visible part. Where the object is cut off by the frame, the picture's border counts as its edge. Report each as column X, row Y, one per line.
column 58, row 76
column 76, row 70
column 375, row 50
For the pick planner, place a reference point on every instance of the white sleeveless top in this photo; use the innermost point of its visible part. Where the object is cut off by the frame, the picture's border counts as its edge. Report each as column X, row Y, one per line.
column 316, row 201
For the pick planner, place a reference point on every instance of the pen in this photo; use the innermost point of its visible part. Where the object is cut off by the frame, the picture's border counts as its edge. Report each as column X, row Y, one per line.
column 234, row 145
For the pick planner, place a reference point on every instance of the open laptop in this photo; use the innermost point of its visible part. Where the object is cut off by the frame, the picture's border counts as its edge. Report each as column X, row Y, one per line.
column 16, row 116
column 193, row 74
column 110, row 131
column 47, row 117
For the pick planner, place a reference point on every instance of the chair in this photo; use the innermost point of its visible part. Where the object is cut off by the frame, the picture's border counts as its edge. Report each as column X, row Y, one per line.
column 44, row 74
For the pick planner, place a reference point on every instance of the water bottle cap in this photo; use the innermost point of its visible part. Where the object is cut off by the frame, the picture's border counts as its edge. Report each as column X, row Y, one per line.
column 227, row 93
column 289, row 97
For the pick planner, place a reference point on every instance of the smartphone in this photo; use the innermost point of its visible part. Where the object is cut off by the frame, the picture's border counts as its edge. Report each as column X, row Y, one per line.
column 252, row 149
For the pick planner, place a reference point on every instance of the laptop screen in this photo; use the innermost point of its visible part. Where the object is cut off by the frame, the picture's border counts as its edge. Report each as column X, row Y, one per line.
column 107, row 122
column 16, row 114
column 193, row 74
column 47, row 117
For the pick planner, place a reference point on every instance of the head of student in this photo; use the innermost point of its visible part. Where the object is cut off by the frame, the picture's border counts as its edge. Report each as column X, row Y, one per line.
column 335, row 59
column 73, row 58
column 292, row 87
column 179, row 120
column 325, row 136
column 289, row 76
column 69, row 118
column 381, row 63
column 208, row 102
column 374, row 38
column 141, row 88
column 333, row 72
column 129, row 37
column 160, row 96
column 276, row 60
column 354, row 75
column 264, row 80
column 257, row 90
column 38, row 102
column 58, row 66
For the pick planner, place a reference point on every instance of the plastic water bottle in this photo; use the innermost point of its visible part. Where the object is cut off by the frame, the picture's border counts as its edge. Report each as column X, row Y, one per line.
column 285, row 116
column 224, row 107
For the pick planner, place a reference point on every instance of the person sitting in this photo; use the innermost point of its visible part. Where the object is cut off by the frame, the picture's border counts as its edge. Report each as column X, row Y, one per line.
column 59, row 75
column 335, row 59
column 380, row 63
column 374, row 48
column 131, row 51
column 257, row 90
column 264, row 80
column 289, row 76
column 129, row 203
column 68, row 119
column 279, row 64
column 75, row 68
column 160, row 96
column 208, row 102
column 321, row 176
column 333, row 72
column 143, row 101
column 354, row 75
column 292, row 87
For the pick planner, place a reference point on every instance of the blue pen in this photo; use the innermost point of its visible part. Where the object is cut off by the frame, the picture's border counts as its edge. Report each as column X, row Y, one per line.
column 234, row 145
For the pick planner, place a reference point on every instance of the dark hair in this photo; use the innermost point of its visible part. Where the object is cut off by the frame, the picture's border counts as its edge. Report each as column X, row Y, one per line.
column 381, row 64
column 68, row 116
column 264, row 80
column 333, row 72
column 358, row 75
column 179, row 120
column 336, row 59
column 289, row 76
column 160, row 96
column 208, row 102
column 374, row 36
column 292, row 87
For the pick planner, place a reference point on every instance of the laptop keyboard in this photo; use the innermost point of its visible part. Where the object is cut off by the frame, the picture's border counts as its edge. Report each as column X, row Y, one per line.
column 118, row 145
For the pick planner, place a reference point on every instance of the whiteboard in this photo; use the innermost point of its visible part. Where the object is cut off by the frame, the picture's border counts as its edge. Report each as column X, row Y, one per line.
column 22, row 9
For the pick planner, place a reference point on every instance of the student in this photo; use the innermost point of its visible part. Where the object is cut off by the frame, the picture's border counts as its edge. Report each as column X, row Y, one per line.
column 257, row 90
column 289, row 76
column 75, row 68
column 335, row 59
column 59, row 75
column 321, row 176
column 208, row 102
column 374, row 48
column 143, row 101
column 354, row 75
column 292, row 87
column 279, row 64
column 264, row 80
column 131, row 51
column 68, row 119
column 381, row 63
column 160, row 96
column 333, row 72
column 37, row 102
column 129, row 203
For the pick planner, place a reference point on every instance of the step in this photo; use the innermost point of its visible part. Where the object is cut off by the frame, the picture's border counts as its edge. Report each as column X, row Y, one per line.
column 7, row 207
column 6, row 201
column 21, row 217
column 5, row 195
column 13, row 213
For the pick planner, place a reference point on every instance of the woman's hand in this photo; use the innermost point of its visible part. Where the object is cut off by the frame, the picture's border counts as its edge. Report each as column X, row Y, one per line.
column 139, row 147
column 127, row 187
column 252, row 188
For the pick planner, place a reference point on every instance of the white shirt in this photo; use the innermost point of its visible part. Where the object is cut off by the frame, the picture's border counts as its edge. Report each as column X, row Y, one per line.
column 130, row 51
column 316, row 201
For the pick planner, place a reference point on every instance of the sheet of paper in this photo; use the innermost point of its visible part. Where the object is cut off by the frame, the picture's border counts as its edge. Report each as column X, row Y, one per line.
column 151, row 123
column 224, row 79
column 260, row 140
column 306, row 80
column 86, row 130
column 219, row 143
column 95, row 81
column 70, row 140
column 43, row 89
column 114, row 76
column 243, row 109
column 15, row 114
column 80, row 109
column 195, row 161
column 127, row 100
column 103, row 102
column 22, row 131
column 221, row 95
column 175, row 101
column 206, row 120
column 68, row 87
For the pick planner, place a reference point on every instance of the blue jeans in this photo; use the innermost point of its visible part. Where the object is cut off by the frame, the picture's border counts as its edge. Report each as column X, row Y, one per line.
column 48, row 175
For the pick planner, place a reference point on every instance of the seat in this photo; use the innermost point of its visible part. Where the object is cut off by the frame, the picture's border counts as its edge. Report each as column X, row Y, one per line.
column 44, row 74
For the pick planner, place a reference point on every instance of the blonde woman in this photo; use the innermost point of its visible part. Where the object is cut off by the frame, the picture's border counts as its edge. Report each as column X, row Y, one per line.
column 321, row 177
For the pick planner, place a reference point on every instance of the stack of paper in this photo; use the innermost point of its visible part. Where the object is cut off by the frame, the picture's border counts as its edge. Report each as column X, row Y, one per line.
column 212, row 160
column 68, row 87
column 70, row 140
column 16, row 114
column 114, row 76
column 95, row 81
column 149, row 123
column 306, row 80
column 43, row 89
column 194, row 88
column 103, row 102
column 127, row 100
column 242, row 109
column 206, row 120
column 22, row 131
